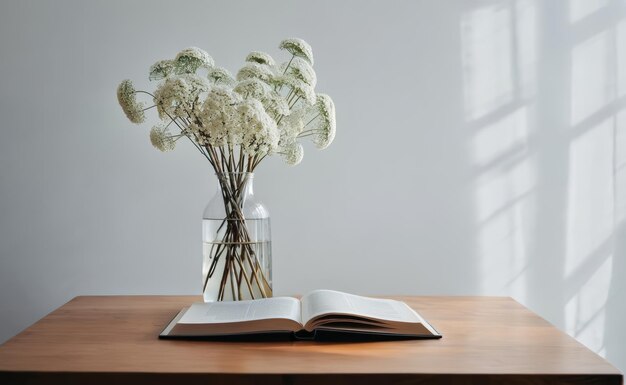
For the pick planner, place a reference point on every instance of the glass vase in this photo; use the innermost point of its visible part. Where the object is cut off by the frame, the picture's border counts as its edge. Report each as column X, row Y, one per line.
column 237, row 252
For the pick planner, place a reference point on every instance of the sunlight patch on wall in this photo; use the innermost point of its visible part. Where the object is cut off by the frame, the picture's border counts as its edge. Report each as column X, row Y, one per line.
column 486, row 36
column 526, row 48
column 501, row 138
column 499, row 56
column 505, row 211
column 499, row 73
column 592, row 85
column 585, row 312
column 620, row 168
column 620, row 47
column 499, row 189
column 579, row 9
column 590, row 201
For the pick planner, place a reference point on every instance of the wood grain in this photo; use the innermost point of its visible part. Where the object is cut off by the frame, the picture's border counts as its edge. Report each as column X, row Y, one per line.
column 113, row 339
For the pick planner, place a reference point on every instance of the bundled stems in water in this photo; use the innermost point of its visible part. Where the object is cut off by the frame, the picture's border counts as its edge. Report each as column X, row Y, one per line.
column 242, row 273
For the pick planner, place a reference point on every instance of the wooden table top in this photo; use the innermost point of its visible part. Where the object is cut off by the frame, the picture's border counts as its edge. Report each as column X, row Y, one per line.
column 113, row 339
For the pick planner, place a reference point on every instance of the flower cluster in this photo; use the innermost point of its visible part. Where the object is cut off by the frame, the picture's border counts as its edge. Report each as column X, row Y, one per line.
column 127, row 97
column 236, row 121
column 161, row 139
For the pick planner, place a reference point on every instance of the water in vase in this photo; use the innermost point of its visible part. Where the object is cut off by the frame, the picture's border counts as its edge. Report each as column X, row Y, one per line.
column 237, row 258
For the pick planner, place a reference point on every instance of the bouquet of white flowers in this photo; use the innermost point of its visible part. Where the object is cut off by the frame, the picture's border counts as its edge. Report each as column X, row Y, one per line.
column 235, row 122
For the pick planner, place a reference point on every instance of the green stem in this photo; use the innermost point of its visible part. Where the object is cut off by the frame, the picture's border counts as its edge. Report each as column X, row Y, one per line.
column 288, row 64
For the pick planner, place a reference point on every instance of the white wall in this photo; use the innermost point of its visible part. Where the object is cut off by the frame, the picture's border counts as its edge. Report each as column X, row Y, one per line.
column 480, row 150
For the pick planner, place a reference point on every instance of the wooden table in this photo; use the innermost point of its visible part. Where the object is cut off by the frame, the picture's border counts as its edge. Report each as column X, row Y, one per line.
column 113, row 340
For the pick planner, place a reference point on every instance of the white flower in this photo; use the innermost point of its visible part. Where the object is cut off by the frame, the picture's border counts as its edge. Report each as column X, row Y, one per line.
column 327, row 126
column 275, row 104
column 300, row 69
column 291, row 126
column 177, row 96
column 126, row 96
column 299, row 87
column 161, row 69
column 161, row 139
column 264, row 110
column 293, row 153
column 252, row 88
column 190, row 59
column 259, row 133
column 260, row 57
column 228, row 119
column 298, row 47
column 221, row 75
column 219, row 118
column 256, row 71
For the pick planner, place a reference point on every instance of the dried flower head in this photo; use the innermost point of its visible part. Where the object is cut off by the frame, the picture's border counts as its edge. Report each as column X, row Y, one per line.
column 161, row 69
column 260, row 134
column 300, row 69
column 260, row 57
column 275, row 104
column 298, row 47
column 190, row 59
column 127, row 97
column 179, row 95
column 219, row 118
column 326, row 128
column 292, row 125
column 303, row 90
column 252, row 88
column 256, row 71
column 221, row 75
column 293, row 153
column 161, row 139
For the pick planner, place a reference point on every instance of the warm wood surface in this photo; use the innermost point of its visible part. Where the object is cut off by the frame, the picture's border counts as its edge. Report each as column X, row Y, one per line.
column 113, row 340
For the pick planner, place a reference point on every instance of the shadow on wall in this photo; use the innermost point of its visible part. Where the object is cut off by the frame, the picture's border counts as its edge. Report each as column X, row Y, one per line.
column 549, row 154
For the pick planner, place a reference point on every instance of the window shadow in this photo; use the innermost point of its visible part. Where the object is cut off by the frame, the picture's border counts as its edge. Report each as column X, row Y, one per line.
column 544, row 98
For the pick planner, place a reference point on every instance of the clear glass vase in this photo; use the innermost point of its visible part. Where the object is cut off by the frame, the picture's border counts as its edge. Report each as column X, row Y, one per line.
column 237, row 251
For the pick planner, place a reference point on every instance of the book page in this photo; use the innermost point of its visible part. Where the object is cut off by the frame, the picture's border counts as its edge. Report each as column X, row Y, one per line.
column 324, row 302
column 241, row 311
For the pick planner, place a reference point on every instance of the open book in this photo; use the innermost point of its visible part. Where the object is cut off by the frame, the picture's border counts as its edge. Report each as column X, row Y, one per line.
column 319, row 311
